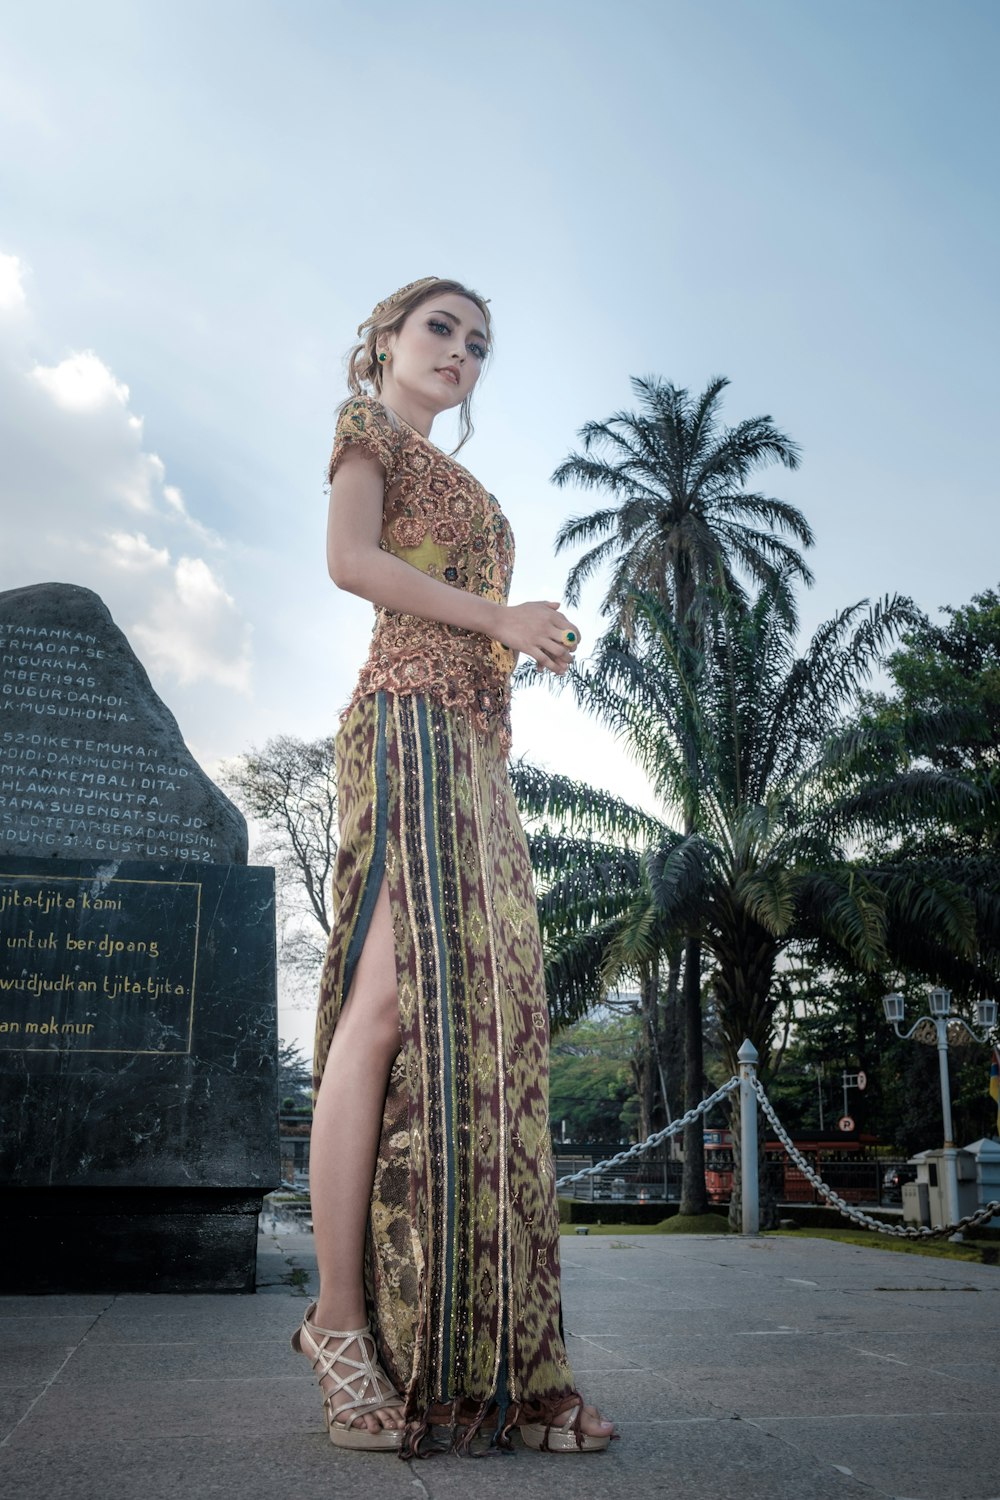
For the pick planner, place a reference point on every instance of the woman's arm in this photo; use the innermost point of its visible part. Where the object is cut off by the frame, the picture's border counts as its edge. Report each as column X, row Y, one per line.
column 358, row 564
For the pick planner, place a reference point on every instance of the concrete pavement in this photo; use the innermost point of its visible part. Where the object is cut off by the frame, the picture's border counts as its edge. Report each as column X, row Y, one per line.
column 768, row 1369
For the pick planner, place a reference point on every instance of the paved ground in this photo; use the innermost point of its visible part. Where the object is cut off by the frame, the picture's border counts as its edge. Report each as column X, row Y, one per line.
column 769, row 1369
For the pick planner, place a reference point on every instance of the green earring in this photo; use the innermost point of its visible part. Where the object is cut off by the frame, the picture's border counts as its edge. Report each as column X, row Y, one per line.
column 383, row 357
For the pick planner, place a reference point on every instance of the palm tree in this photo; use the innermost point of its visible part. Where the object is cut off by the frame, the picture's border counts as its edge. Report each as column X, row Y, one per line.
column 683, row 528
column 780, row 801
column 599, row 925
column 683, row 522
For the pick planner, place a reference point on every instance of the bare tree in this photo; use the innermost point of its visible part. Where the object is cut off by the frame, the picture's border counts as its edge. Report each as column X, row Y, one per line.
column 288, row 791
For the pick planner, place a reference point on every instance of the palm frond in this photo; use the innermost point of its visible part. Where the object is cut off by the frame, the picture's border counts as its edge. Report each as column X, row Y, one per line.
column 542, row 794
column 680, row 871
column 840, row 905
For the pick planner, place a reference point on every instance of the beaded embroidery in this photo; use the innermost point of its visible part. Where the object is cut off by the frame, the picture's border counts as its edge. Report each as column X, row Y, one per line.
column 437, row 517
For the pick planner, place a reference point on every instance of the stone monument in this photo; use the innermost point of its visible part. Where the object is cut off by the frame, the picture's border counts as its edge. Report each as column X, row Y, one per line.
column 138, row 1120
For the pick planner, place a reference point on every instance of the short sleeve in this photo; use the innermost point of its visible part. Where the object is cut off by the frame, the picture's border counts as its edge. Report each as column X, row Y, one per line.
column 364, row 423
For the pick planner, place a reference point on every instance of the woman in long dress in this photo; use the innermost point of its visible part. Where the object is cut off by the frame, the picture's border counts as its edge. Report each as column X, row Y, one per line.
column 433, row 1199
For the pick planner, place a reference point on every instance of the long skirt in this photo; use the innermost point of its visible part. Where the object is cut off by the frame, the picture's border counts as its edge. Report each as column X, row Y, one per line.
column 462, row 1257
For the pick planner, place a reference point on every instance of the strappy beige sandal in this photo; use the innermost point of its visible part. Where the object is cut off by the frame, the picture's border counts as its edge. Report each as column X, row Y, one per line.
column 564, row 1434
column 368, row 1386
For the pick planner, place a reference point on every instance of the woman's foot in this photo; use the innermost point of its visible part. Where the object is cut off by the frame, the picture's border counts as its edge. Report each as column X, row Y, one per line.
column 361, row 1407
column 594, row 1425
column 577, row 1428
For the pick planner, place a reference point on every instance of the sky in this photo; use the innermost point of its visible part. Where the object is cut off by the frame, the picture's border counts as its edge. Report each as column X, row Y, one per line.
column 199, row 203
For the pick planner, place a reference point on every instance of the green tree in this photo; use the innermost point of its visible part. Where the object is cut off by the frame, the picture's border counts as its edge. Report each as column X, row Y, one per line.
column 294, row 1076
column 598, row 927
column 948, row 676
column 836, row 1025
column 682, row 528
column 777, row 798
column 841, row 1026
column 683, row 521
column 591, row 1080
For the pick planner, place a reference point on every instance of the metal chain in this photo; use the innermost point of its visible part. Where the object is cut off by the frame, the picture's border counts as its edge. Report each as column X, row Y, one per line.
column 909, row 1231
column 674, row 1128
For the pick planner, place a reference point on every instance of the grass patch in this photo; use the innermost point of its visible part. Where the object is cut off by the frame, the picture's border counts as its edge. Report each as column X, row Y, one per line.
column 978, row 1252
column 694, row 1224
column 615, row 1229
column 676, row 1224
column 579, row 1211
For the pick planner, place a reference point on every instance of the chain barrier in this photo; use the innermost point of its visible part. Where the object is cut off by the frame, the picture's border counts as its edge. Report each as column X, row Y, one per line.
column 907, row 1231
column 674, row 1128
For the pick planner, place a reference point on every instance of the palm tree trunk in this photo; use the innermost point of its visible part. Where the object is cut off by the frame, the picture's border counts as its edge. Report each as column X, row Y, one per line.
column 694, row 1199
column 672, row 1043
column 644, row 1073
column 649, row 991
column 746, row 1001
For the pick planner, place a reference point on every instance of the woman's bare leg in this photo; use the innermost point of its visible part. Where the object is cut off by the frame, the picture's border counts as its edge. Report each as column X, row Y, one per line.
column 347, row 1123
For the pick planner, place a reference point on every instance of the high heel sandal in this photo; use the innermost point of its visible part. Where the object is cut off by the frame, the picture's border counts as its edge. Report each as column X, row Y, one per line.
column 367, row 1377
column 563, row 1434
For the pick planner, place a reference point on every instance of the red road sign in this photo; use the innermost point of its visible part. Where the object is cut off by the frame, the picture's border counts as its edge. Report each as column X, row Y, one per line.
column 846, row 1122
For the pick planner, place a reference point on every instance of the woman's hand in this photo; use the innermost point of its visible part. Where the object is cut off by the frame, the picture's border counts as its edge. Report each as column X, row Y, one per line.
column 540, row 631
column 358, row 563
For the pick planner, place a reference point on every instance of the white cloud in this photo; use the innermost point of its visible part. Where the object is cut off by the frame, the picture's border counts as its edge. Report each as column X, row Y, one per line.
column 12, row 294
column 195, row 630
column 135, row 552
column 82, row 383
column 74, row 479
column 175, row 500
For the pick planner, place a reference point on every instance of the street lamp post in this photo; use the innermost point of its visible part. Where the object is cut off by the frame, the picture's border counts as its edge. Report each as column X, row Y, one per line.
column 941, row 1013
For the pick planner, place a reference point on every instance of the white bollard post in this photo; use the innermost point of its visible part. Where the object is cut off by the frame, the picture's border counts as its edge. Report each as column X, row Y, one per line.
column 748, row 1058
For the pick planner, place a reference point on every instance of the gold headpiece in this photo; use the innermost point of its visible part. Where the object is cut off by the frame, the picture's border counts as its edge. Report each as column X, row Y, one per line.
column 384, row 306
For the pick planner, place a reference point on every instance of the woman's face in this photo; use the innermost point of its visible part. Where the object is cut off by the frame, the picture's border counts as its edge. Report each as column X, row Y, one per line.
column 436, row 357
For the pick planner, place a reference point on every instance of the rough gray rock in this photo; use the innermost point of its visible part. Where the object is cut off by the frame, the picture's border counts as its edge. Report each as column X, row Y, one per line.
column 92, row 762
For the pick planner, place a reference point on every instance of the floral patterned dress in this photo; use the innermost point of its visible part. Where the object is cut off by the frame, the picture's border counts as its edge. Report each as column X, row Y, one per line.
column 462, row 1262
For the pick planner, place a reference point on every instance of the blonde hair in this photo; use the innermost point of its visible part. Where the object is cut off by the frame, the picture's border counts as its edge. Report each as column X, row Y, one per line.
column 364, row 371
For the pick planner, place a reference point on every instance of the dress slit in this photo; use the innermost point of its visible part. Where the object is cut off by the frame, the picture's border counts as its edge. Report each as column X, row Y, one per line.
column 462, row 1252
column 462, row 1249
column 372, row 872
